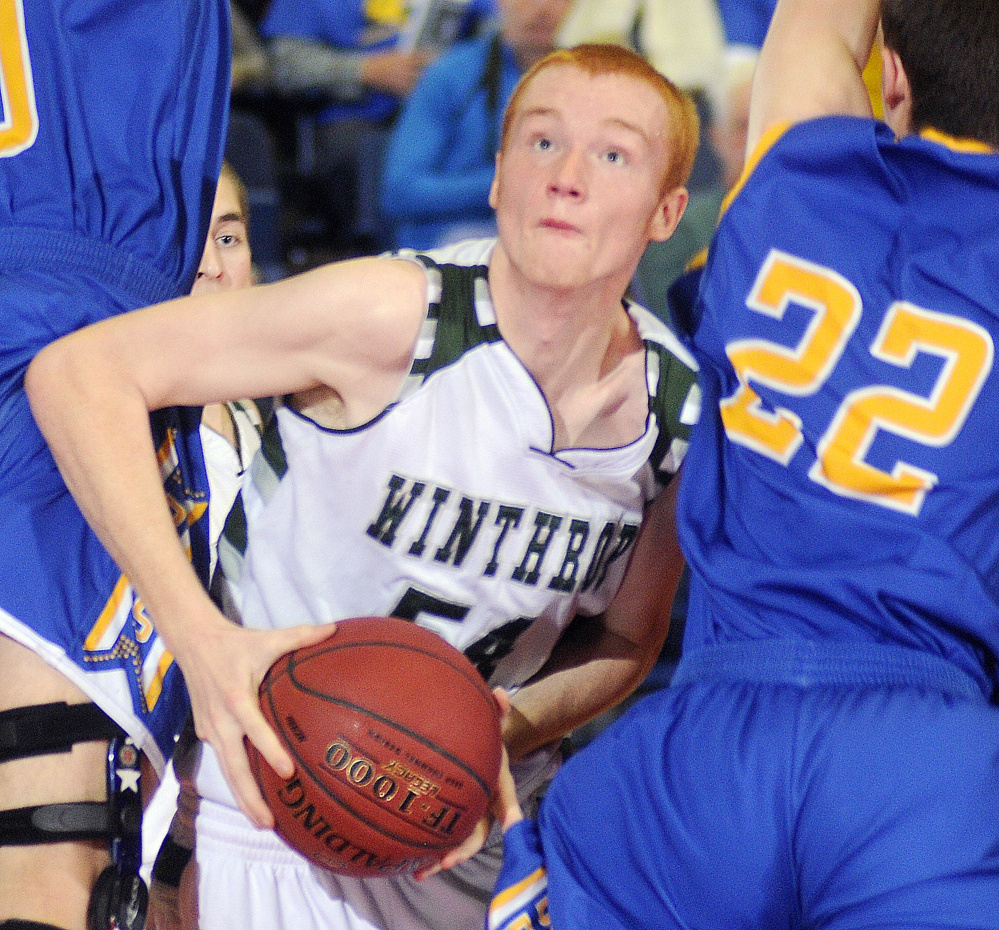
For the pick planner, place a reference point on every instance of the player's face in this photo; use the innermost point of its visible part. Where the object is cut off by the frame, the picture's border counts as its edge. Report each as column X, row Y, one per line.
column 226, row 263
column 578, row 184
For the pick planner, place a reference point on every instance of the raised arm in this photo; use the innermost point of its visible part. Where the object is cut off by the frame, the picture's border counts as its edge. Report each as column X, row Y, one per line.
column 812, row 63
column 351, row 327
column 591, row 672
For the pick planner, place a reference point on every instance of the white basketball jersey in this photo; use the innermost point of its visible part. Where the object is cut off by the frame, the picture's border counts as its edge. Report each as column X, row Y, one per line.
column 451, row 509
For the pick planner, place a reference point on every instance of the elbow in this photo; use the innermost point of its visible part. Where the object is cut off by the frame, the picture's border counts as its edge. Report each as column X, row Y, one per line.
column 47, row 376
column 69, row 374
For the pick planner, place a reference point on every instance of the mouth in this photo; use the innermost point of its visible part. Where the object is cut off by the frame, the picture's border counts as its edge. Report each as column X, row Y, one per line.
column 559, row 226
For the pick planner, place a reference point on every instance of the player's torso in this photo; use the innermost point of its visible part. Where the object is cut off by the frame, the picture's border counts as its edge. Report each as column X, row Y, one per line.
column 451, row 509
column 847, row 314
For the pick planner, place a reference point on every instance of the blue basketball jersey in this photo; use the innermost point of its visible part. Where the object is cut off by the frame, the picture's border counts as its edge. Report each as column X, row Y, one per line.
column 111, row 125
column 113, row 119
column 842, row 482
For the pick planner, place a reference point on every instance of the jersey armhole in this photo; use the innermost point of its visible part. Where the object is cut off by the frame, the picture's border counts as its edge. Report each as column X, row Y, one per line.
column 767, row 141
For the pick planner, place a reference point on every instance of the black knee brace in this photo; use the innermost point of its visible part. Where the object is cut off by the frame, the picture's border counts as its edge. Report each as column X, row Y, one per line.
column 171, row 860
column 119, row 898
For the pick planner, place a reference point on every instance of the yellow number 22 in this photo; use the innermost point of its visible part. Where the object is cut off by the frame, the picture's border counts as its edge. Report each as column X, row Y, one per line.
column 19, row 119
column 965, row 348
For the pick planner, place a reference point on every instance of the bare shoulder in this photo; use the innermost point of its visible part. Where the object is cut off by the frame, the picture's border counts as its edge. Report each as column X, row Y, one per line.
column 371, row 311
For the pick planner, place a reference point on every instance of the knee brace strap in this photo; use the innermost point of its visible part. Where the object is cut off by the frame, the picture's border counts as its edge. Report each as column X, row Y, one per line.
column 52, row 728
column 170, row 862
column 55, row 823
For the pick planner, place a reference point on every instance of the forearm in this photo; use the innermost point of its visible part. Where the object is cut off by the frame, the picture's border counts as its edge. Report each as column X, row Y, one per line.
column 116, row 481
column 812, row 63
column 849, row 27
column 599, row 662
column 591, row 670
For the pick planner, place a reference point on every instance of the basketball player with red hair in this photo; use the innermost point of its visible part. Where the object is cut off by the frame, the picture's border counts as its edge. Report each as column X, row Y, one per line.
column 483, row 440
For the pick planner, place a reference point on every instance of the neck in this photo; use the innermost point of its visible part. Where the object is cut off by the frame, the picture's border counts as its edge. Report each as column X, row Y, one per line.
column 566, row 337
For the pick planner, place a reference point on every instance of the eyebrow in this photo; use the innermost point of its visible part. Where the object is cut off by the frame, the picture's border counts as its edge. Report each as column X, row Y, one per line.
column 613, row 120
column 631, row 127
column 231, row 218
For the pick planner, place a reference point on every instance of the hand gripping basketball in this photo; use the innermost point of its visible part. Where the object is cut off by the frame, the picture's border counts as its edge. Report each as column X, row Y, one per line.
column 396, row 742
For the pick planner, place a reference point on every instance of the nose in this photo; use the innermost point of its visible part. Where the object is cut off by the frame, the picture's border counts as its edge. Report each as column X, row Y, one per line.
column 569, row 175
column 211, row 267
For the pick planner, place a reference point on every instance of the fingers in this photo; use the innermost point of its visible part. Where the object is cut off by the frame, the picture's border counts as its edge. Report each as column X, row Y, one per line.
column 236, row 768
column 461, row 853
column 230, row 710
column 298, row 637
column 256, row 729
column 506, row 806
column 225, row 730
column 502, row 701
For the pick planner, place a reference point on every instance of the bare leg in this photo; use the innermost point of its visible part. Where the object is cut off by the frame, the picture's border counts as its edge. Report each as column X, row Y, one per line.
column 49, row 883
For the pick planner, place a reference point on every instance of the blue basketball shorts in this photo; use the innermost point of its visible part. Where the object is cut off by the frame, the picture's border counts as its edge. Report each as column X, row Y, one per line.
column 728, row 802
column 61, row 594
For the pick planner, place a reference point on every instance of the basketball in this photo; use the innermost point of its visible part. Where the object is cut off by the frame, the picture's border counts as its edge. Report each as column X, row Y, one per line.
column 396, row 742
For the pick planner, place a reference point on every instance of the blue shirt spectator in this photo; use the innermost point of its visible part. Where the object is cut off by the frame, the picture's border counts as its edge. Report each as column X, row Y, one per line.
column 746, row 21
column 327, row 48
column 440, row 161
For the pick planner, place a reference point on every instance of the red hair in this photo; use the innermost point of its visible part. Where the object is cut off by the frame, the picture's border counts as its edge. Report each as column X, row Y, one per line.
column 683, row 126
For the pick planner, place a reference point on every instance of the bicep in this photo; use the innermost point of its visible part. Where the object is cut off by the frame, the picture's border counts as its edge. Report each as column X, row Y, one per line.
column 325, row 327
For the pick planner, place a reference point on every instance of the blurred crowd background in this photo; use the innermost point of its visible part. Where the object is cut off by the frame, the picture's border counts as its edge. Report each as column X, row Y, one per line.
column 365, row 125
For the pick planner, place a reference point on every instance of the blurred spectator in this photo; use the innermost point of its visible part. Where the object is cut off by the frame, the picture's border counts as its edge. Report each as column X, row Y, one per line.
column 441, row 156
column 664, row 262
column 682, row 39
column 343, row 50
column 746, row 23
column 357, row 57
column 251, row 146
column 730, row 104
column 250, row 64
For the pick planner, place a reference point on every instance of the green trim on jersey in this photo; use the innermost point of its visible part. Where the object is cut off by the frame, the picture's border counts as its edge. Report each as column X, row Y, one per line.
column 673, row 389
column 461, row 288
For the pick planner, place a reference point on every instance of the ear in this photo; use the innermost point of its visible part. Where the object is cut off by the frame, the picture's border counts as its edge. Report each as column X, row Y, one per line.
column 494, row 187
column 896, row 92
column 668, row 214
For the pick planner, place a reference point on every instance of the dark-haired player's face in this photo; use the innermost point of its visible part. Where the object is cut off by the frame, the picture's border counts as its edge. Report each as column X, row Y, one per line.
column 226, row 262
